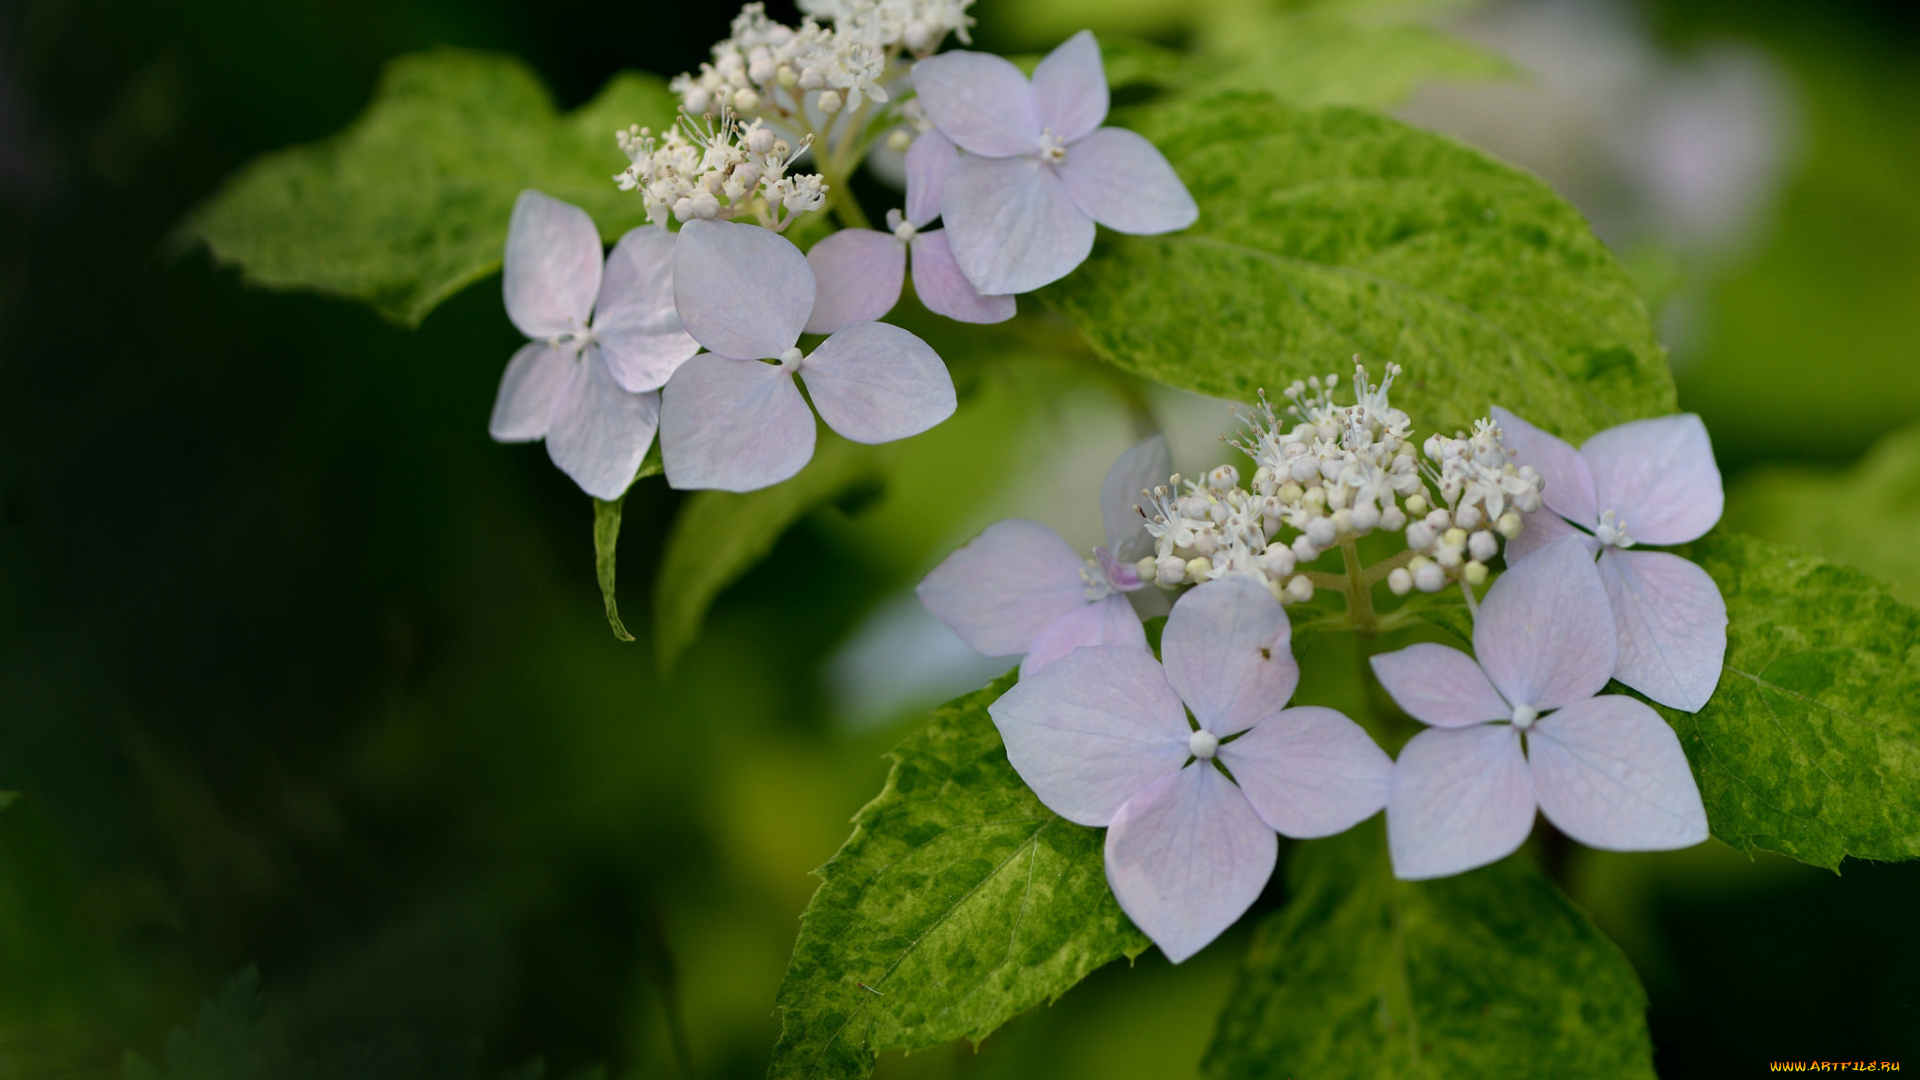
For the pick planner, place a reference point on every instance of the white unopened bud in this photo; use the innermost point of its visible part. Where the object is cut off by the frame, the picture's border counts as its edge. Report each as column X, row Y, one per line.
column 1393, row 519
column 1146, row 568
column 1276, row 561
column 1303, row 549
column 829, row 101
column 1223, row 477
column 1300, row 589
column 787, row 77
column 1467, row 517
column 1321, row 532
column 683, row 209
column 1449, row 557
column 1206, row 542
column 1416, row 505
column 1170, row 570
column 1509, row 525
column 1429, row 578
column 1440, row 520
column 1365, row 518
column 705, row 205
column 1420, row 536
column 1291, row 492
column 697, row 100
column 1399, row 582
column 1527, row 501
column 899, row 141
column 917, row 36
column 1475, row 573
column 1454, row 538
column 1199, row 568
column 760, row 140
column 812, row 78
column 745, row 100
column 1482, row 545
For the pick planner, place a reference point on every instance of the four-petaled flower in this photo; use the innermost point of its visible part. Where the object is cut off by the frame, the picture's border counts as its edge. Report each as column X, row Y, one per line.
column 1644, row 482
column 605, row 337
column 1103, row 737
column 731, row 422
column 1040, row 170
column 860, row 270
column 1606, row 770
column 1018, row 587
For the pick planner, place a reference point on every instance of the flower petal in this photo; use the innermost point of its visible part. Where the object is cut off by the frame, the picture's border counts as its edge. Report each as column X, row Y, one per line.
column 858, row 273
column 1123, row 182
column 552, row 270
column 1001, row 589
column 634, row 321
column 875, row 383
column 734, row 425
column 1610, row 773
column 742, row 291
column 1440, row 686
column 1107, row 621
column 1187, row 857
column 1138, row 468
column 1544, row 634
column 1070, row 88
column 1543, row 527
column 1672, row 624
column 600, row 433
column 1012, row 225
column 980, row 101
column 532, row 383
column 1310, row 771
column 1092, row 729
column 1461, row 798
column 928, row 161
column 1660, row 475
column 945, row 290
column 1569, row 490
column 1227, row 655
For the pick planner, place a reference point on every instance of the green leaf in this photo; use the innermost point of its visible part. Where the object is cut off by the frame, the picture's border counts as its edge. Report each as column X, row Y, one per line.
column 230, row 1040
column 1777, row 503
column 958, row 903
column 1334, row 232
column 8, row 798
column 1493, row 972
column 606, row 538
column 720, row 535
column 1810, row 746
column 410, row 204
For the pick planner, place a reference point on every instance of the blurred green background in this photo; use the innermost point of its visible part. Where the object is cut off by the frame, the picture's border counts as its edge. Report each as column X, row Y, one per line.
column 301, row 673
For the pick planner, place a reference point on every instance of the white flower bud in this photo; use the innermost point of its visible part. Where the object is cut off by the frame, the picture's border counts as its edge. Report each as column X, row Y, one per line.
column 1439, row 520
column 1145, row 568
column 1218, row 513
column 1303, row 549
column 1454, row 538
column 1300, row 589
column 829, row 102
column 1399, row 582
column 1393, row 520
column 1291, row 493
column 1429, row 578
column 1223, row 477
column 917, row 36
column 1321, row 532
column 899, row 141
column 1199, row 568
column 1366, row 518
column 787, row 77
column 1417, row 505
column 705, row 205
column 1482, row 545
column 745, row 100
column 812, row 78
column 1206, row 542
column 697, row 100
column 1277, row 561
column 1509, row 525
column 1527, row 501
column 1475, row 573
column 1278, row 590
column 1467, row 517
column 1170, row 571
column 760, row 140
column 1420, row 536
column 683, row 209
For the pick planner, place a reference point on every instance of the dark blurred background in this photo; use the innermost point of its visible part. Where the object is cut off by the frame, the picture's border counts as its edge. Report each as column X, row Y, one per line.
column 301, row 673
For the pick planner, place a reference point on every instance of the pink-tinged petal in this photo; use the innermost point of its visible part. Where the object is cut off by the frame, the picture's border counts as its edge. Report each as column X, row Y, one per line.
column 1610, row 773
column 1672, row 624
column 1569, row 490
column 1090, row 730
column 733, row 425
column 980, row 101
column 1226, row 647
column 1440, row 686
column 1070, row 88
column 1011, row 224
column 1139, row 467
column 1123, row 182
column 1001, row 589
column 946, row 291
column 1187, row 857
column 1543, row 527
column 634, row 321
column 742, row 291
column 1310, row 772
column 1660, row 476
column 552, row 270
column 875, row 383
column 1461, row 798
column 1544, row 634
column 928, row 160
column 599, row 433
column 533, row 381
column 858, row 273
column 1121, row 576
column 1107, row 621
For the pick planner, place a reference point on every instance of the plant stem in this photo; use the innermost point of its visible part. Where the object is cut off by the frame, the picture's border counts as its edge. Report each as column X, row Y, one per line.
column 1359, row 590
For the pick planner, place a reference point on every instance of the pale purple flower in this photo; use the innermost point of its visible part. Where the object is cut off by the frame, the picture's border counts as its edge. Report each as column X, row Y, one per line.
column 605, row 338
column 1644, row 482
column 860, row 270
column 1606, row 770
column 1102, row 736
column 1040, row 170
column 1019, row 588
column 731, row 422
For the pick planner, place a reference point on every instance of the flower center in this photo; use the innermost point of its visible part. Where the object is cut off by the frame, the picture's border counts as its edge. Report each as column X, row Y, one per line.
column 572, row 339
column 1612, row 531
column 790, row 360
column 1053, row 150
column 901, row 228
column 1524, row 716
column 1203, row 744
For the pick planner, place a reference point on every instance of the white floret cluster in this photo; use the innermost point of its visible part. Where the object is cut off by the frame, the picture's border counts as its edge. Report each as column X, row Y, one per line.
column 706, row 168
column 1332, row 475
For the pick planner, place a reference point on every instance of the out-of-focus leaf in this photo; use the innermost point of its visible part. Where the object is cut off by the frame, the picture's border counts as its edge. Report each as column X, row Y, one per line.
column 958, row 903
column 229, row 1040
column 410, row 204
column 1810, row 746
column 1878, row 529
column 606, row 539
column 1364, row 977
column 8, row 798
column 1334, row 232
column 720, row 535
column 1333, row 54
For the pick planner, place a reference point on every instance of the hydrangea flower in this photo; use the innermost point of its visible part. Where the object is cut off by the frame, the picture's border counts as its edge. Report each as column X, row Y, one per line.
column 1606, row 770
column 1040, row 170
column 1103, row 738
column 860, row 270
column 1019, row 588
column 1644, row 482
column 605, row 337
column 731, row 422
